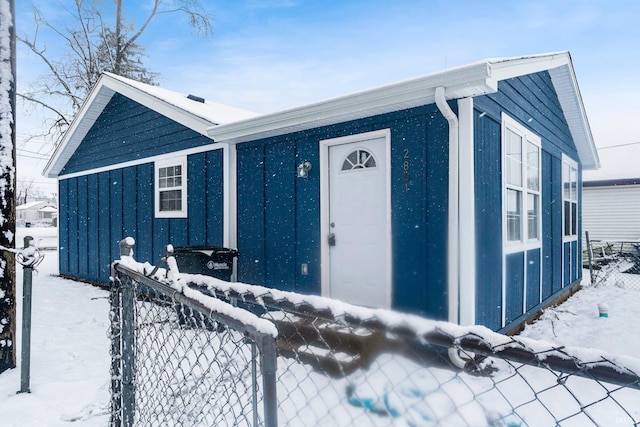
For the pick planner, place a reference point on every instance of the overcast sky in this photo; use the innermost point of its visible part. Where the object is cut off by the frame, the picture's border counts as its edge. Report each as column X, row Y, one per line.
column 275, row 54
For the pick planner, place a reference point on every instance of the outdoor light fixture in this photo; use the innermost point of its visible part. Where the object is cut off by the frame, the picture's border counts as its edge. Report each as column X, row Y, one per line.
column 303, row 169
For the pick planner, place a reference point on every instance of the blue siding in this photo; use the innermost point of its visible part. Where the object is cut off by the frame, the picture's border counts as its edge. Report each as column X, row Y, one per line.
column 514, row 286
column 93, row 201
column 307, row 219
column 63, row 227
column 104, row 225
column 127, row 131
column 533, row 278
column 145, row 204
column 74, row 238
column 279, row 206
column 532, row 101
column 98, row 210
column 566, row 256
column 488, row 201
column 251, row 210
column 280, row 215
column 215, row 201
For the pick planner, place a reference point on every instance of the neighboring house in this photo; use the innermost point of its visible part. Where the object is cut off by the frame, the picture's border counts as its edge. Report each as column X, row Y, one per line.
column 611, row 196
column 36, row 212
column 436, row 195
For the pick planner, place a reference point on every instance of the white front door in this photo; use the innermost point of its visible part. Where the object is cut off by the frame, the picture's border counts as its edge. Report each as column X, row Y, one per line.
column 357, row 222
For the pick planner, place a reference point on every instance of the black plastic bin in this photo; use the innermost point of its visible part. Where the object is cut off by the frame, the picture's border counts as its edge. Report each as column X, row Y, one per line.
column 207, row 260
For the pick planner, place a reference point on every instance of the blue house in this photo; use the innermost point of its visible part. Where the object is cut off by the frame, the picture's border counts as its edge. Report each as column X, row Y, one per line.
column 455, row 195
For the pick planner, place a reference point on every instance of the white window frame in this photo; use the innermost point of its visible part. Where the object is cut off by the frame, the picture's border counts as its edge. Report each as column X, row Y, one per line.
column 528, row 137
column 573, row 198
column 164, row 163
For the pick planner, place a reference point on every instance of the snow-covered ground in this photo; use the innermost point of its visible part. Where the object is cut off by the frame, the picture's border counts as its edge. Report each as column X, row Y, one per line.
column 69, row 351
column 70, row 348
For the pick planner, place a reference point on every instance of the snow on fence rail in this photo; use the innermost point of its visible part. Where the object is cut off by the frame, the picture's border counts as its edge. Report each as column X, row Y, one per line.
column 344, row 365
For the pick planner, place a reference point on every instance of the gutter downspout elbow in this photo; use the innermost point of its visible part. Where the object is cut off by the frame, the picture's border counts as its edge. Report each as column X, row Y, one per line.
column 453, row 274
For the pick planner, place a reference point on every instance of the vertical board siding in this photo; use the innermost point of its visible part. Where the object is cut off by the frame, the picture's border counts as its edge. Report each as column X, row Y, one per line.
column 488, row 217
column 533, row 278
column 93, row 215
column 127, row 131
column 83, row 242
column 64, row 214
column 251, row 210
column 73, row 228
column 307, row 225
column 279, row 206
column 436, row 229
column 101, row 209
column 104, row 225
column 144, row 213
column 197, row 203
column 279, row 214
column 215, row 199
column 408, row 193
column 532, row 101
column 514, row 286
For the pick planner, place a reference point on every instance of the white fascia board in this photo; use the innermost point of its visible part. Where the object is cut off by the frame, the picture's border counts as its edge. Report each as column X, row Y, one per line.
column 98, row 98
column 508, row 68
column 566, row 84
column 560, row 68
column 470, row 80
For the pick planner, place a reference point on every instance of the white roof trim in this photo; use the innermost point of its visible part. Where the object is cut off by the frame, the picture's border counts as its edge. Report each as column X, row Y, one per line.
column 475, row 79
column 192, row 114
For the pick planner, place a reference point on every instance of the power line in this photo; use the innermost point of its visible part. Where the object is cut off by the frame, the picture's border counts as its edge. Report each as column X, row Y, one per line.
column 619, row 145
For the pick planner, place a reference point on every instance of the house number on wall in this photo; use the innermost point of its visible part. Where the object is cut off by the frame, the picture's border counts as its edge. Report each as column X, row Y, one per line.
column 406, row 167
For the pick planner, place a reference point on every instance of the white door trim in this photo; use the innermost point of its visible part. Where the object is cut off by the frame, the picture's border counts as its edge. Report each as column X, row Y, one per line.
column 324, row 205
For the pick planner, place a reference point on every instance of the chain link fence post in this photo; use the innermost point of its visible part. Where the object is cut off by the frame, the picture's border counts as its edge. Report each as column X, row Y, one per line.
column 115, row 335
column 128, row 339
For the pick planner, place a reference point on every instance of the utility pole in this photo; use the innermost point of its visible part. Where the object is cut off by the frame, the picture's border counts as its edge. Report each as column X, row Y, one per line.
column 7, row 183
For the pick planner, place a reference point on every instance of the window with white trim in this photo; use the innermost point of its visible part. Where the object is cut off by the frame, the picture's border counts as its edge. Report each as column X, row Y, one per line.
column 171, row 188
column 569, row 199
column 521, row 171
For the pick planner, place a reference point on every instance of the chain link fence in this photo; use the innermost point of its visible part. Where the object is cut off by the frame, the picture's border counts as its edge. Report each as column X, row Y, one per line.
column 180, row 359
column 612, row 262
column 341, row 365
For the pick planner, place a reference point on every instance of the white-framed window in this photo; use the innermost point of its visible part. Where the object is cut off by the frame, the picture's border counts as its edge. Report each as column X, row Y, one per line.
column 171, row 188
column 569, row 199
column 521, row 186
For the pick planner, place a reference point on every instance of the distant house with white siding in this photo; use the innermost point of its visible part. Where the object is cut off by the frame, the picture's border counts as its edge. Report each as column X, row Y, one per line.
column 611, row 196
column 36, row 212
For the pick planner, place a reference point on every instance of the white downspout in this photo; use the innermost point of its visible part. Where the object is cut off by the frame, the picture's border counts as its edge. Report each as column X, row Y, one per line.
column 453, row 221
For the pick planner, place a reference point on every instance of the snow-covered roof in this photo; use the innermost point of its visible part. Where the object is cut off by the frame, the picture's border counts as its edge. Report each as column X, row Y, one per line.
column 48, row 209
column 32, row 205
column 190, row 112
column 478, row 78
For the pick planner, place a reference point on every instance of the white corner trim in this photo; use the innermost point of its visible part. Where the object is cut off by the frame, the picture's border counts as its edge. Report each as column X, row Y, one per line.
column 467, row 235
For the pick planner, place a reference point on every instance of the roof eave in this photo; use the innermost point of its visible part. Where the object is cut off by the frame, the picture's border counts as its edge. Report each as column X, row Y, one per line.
column 98, row 98
column 467, row 81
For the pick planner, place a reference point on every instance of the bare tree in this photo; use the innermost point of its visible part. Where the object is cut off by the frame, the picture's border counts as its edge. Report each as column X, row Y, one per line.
column 92, row 45
column 7, row 184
